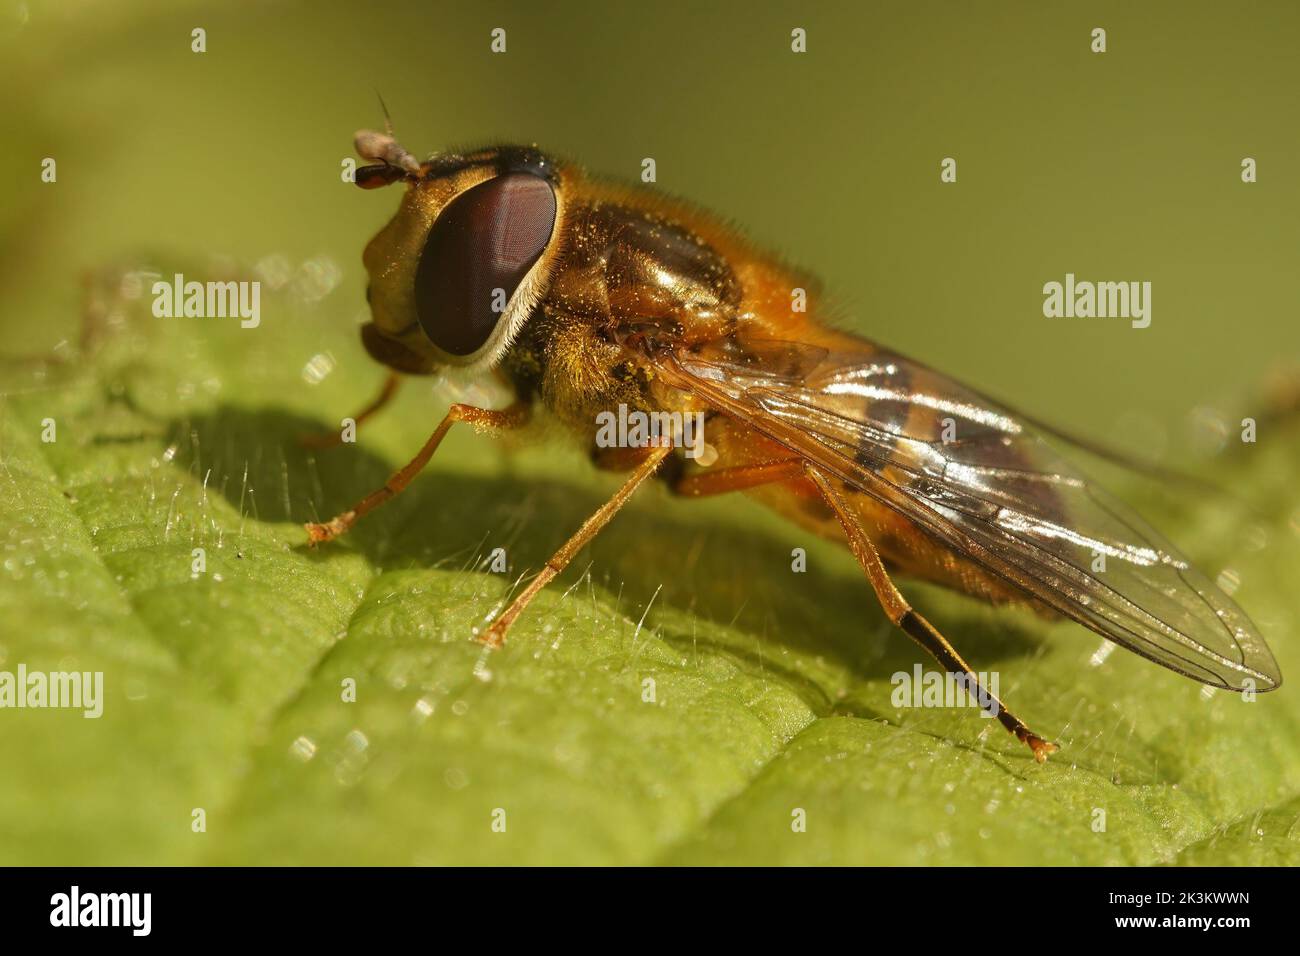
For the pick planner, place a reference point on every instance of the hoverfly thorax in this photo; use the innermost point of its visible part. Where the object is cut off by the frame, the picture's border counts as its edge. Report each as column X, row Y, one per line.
column 466, row 259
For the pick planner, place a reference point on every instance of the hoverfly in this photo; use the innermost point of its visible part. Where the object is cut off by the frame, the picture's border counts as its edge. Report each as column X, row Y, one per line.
column 581, row 296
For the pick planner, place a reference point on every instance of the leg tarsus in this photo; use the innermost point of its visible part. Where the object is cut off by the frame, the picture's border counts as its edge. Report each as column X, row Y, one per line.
column 1038, row 745
column 319, row 533
column 927, row 636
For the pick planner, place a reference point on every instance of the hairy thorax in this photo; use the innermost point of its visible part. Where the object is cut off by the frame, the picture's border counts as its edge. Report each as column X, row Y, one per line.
column 623, row 270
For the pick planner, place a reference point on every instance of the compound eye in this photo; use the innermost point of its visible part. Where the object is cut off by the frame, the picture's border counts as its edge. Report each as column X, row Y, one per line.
column 478, row 251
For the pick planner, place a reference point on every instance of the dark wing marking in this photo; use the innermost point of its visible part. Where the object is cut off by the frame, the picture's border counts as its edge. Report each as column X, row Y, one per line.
column 997, row 493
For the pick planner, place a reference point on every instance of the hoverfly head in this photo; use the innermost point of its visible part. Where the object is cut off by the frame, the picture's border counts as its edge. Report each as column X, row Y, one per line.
column 468, row 255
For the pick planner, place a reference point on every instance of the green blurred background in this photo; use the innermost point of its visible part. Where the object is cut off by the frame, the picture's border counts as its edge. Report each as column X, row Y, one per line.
column 1124, row 165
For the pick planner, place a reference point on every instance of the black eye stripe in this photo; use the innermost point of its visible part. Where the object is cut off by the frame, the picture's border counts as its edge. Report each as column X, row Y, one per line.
column 485, row 240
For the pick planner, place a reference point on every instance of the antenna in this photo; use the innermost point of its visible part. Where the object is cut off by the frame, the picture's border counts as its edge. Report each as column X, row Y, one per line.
column 384, row 148
column 388, row 119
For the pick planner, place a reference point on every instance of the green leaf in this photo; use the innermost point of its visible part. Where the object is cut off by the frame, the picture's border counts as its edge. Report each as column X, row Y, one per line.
column 225, row 690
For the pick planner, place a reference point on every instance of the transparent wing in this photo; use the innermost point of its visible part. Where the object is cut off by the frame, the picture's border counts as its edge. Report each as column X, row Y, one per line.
column 986, row 482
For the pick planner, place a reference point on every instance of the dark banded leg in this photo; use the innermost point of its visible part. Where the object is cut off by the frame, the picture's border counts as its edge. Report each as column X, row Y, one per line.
column 914, row 625
column 511, row 417
column 495, row 634
column 330, row 439
column 925, row 634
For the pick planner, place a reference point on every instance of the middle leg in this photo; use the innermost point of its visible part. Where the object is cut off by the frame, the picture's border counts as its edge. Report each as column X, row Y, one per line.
column 495, row 635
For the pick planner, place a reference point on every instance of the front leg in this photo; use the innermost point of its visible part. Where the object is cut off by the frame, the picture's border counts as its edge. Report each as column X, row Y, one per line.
column 512, row 417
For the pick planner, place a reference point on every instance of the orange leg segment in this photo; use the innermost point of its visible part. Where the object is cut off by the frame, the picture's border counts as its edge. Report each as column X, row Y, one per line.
column 740, row 477
column 511, row 417
column 495, row 634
